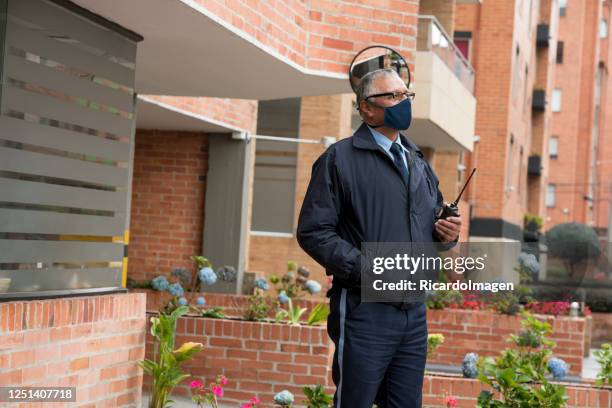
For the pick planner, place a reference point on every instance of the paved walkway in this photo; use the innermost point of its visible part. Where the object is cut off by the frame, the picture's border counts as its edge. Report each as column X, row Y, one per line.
column 590, row 367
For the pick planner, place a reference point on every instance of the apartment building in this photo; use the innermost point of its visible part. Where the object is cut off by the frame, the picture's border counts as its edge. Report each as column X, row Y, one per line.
column 577, row 105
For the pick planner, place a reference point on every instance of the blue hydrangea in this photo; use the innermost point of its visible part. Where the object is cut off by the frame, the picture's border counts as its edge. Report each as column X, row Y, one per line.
column 312, row 286
column 557, row 367
column 200, row 301
column 530, row 262
column 261, row 283
column 207, row 276
column 160, row 283
column 283, row 298
column 468, row 366
column 183, row 301
column 284, row 398
column 176, row 289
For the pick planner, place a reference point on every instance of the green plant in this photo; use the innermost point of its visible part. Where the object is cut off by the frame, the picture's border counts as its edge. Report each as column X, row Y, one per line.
column 532, row 222
column 215, row 312
column 518, row 374
column 440, row 299
column 258, row 307
column 433, row 342
column 317, row 398
column 506, row 302
column 292, row 313
column 201, row 394
column 604, row 358
column 166, row 370
column 318, row 314
column 295, row 283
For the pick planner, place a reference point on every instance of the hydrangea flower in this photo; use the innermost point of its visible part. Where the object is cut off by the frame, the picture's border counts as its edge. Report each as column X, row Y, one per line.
column 261, row 283
column 176, row 289
column 312, row 286
column 207, row 276
column 283, row 298
column 200, row 301
column 468, row 366
column 529, row 262
column 160, row 283
column 284, row 398
column 182, row 301
column 557, row 367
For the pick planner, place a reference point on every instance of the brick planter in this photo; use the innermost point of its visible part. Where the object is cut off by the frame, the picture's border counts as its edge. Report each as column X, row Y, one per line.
column 485, row 333
column 466, row 392
column 258, row 358
column 602, row 328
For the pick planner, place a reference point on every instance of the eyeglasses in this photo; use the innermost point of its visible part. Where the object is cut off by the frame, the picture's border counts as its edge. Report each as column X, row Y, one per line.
column 393, row 96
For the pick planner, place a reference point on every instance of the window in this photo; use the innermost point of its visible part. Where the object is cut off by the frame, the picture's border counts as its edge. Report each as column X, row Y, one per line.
column 562, row 7
column 462, row 41
column 551, row 193
column 603, row 28
column 560, row 52
column 510, row 164
column 556, row 100
column 516, row 77
column 553, row 147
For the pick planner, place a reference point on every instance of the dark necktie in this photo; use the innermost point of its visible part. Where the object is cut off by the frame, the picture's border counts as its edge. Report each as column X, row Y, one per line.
column 397, row 152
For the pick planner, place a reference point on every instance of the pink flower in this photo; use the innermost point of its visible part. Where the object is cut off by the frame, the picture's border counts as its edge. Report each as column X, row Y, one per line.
column 450, row 402
column 217, row 390
column 255, row 400
column 195, row 384
column 223, row 380
column 246, row 405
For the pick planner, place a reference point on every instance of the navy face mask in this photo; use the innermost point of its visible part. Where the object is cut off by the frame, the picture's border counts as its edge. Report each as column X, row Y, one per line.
column 398, row 116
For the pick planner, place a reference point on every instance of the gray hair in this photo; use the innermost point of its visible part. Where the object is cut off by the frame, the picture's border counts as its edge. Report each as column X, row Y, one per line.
column 364, row 89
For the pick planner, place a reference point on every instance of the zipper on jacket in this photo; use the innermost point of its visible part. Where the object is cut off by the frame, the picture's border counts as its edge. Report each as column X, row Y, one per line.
column 410, row 171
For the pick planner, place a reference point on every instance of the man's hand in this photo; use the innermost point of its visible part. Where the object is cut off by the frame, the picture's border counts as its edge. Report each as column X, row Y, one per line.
column 448, row 229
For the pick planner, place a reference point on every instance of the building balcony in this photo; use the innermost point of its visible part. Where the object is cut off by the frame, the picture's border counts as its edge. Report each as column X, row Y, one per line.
column 444, row 112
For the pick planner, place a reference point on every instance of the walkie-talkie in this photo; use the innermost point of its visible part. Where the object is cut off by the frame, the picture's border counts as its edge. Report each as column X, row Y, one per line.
column 451, row 210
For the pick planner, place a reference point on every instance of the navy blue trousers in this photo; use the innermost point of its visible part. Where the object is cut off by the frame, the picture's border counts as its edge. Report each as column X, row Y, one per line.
column 380, row 353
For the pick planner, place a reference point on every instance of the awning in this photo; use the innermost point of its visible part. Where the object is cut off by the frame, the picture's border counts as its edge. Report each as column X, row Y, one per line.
column 188, row 51
column 154, row 114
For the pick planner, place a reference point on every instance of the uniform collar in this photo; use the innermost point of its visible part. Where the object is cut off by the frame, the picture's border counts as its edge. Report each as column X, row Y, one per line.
column 363, row 139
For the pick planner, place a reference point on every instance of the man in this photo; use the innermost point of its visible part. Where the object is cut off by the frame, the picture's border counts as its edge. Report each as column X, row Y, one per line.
column 374, row 186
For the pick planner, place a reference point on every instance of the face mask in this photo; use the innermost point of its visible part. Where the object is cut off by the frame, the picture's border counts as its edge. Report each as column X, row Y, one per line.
column 397, row 116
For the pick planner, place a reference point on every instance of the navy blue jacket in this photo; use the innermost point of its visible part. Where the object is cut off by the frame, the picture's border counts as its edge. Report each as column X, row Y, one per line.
column 356, row 194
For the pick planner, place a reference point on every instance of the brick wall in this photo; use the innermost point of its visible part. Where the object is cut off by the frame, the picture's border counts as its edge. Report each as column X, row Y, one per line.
column 602, row 328
column 168, row 192
column 466, row 392
column 257, row 358
column 322, row 35
column 91, row 343
column 485, row 333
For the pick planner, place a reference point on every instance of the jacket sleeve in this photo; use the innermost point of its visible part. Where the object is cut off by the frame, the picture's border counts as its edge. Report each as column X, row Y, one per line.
column 439, row 204
column 318, row 221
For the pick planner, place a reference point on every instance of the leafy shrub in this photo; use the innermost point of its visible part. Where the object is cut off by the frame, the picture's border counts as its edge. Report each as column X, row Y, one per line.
column 604, row 358
column 573, row 243
column 519, row 374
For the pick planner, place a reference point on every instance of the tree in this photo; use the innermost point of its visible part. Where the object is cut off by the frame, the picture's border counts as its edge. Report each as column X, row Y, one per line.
column 573, row 243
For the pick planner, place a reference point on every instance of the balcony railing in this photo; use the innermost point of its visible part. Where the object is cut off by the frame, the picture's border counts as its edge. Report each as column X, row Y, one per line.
column 432, row 37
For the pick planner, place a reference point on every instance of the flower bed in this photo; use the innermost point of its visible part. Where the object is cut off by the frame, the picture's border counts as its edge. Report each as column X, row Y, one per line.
column 257, row 357
column 233, row 305
column 465, row 391
column 484, row 332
